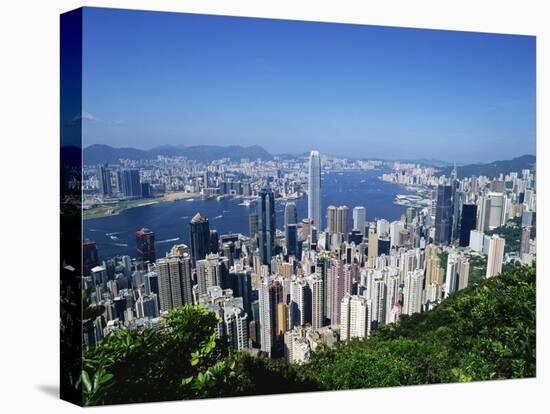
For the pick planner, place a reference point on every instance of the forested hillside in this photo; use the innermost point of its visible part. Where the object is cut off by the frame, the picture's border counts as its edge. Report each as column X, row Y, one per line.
column 485, row 332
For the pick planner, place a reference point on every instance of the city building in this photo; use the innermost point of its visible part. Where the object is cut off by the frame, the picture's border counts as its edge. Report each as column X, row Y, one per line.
column 314, row 189
column 467, row 223
column 174, row 280
column 129, row 183
column 145, row 240
column 104, row 180
column 458, row 270
column 354, row 317
column 199, row 237
column 495, row 256
column 266, row 225
column 443, row 215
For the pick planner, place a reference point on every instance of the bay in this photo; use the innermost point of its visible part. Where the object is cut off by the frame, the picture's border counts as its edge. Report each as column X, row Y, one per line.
column 114, row 235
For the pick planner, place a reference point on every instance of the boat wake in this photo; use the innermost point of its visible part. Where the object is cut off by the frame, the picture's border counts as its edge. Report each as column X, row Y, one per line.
column 168, row 240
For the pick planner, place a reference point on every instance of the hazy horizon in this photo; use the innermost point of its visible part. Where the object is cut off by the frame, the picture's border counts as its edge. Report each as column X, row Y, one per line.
column 305, row 153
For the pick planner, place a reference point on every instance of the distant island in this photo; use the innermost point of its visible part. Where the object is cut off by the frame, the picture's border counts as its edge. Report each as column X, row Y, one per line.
column 99, row 153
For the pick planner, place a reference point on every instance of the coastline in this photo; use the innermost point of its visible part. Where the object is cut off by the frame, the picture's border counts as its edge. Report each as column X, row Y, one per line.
column 106, row 210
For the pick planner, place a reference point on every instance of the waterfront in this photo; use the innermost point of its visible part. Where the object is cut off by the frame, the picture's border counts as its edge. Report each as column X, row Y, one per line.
column 170, row 220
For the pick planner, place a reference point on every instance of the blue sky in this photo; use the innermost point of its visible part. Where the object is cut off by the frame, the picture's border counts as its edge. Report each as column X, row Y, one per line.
column 152, row 78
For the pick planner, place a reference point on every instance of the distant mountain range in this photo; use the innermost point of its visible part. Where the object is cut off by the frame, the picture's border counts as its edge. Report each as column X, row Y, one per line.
column 495, row 168
column 99, row 153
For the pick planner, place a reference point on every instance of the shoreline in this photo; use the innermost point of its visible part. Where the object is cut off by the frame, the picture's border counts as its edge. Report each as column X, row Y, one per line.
column 107, row 210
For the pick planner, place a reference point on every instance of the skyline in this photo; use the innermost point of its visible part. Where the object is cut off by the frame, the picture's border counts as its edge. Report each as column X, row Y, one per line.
column 306, row 154
column 183, row 79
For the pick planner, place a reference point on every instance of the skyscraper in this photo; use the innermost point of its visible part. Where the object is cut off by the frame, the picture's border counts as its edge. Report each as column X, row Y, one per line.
column 322, row 270
column 270, row 294
column 372, row 246
column 342, row 218
column 317, row 301
column 497, row 213
column 525, row 245
column 354, row 317
column 145, row 240
column 443, row 215
column 89, row 256
column 129, row 183
column 235, row 321
column 291, row 228
column 174, row 280
column 147, row 306
column 291, row 216
column 331, row 219
column 378, row 297
column 104, row 180
column 199, row 236
column 341, row 284
column 495, row 257
column 458, row 270
column 266, row 225
column 359, row 218
column 314, row 189
column 457, row 197
column 300, row 302
column 253, row 224
column 467, row 223
column 412, row 292
column 208, row 273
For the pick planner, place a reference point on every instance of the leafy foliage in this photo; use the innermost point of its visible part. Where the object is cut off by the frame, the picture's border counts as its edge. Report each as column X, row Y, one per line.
column 511, row 233
column 177, row 361
column 480, row 333
column 478, row 269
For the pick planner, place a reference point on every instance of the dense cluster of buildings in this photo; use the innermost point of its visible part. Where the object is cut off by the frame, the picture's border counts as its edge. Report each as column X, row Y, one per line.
column 285, row 288
column 137, row 179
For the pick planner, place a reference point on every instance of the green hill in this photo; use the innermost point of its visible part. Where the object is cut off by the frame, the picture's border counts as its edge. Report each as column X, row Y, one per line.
column 99, row 153
column 485, row 332
column 495, row 168
column 480, row 333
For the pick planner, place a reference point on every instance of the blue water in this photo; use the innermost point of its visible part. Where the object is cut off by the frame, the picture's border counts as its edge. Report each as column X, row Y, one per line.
column 170, row 221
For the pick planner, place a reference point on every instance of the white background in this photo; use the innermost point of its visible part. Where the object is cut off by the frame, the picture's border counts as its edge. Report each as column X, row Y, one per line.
column 29, row 139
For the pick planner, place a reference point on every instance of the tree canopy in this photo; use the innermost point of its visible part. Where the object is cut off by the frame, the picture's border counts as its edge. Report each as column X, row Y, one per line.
column 483, row 332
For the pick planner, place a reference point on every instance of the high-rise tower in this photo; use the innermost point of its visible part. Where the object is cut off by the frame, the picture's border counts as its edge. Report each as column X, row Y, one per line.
column 145, row 240
column 199, row 236
column 444, row 214
column 291, row 228
column 495, row 256
column 266, row 225
column 359, row 218
column 314, row 189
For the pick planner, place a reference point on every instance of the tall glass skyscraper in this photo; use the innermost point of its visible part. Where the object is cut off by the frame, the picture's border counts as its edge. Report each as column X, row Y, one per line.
column 443, row 214
column 266, row 224
column 291, row 219
column 467, row 223
column 314, row 189
column 199, row 236
column 291, row 216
